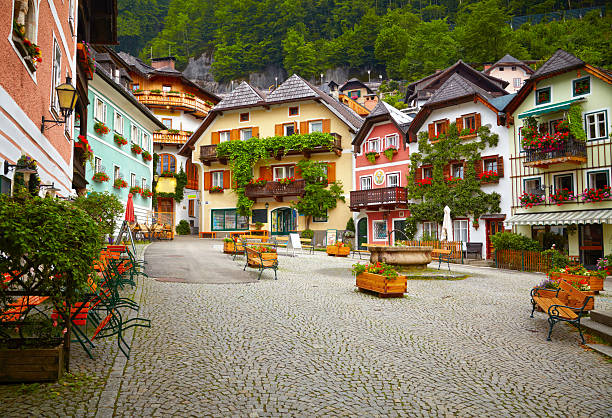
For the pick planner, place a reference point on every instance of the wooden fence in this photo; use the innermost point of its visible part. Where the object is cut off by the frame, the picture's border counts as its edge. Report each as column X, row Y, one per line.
column 522, row 260
column 454, row 246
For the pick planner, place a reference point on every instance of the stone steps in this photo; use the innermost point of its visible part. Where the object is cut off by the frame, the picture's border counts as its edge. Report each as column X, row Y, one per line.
column 602, row 349
column 479, row 263
column 602, row 317
column 601, row 330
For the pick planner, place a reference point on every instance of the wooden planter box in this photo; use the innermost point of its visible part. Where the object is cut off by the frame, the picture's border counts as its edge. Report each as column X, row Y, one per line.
column 380, row 285
column 31, row 364
column 228, row 247
column 596, row 283
column 265, row 256
column 338, row 251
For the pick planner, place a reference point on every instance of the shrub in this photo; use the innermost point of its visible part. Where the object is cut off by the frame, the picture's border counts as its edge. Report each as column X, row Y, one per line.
column 350, row 225
column 103, row 208
column 308, row 234
column 558, row 260
column 183, row 228
column 512, row 241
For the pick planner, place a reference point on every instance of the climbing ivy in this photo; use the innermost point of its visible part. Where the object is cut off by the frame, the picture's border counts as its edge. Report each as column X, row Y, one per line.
column 574, row 118
column 181, row 182
column 243, row 155
column 464, row 197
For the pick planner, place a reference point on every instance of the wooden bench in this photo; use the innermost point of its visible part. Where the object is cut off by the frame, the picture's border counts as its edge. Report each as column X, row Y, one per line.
column 442, row 256
column 307, row 244
column 238, row 248
column 557, row 311
column 261, row 261
column 208, row 234
column 361, row 252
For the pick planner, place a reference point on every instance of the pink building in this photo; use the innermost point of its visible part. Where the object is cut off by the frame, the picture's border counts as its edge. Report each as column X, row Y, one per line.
column 381, row 166
column 510, row 69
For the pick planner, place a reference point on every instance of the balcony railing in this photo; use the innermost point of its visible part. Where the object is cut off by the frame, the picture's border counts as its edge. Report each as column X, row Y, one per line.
column 171, row 137
column 571, row 150
column 181, row 101
column 208, row 153
column 376, row 198
column 275, row 189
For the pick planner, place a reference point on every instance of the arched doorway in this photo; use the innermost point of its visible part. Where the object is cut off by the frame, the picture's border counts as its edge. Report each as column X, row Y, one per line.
column 283, row 221
column 362, row 233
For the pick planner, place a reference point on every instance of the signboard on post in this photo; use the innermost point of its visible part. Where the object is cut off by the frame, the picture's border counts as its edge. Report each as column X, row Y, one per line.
column 330, row 236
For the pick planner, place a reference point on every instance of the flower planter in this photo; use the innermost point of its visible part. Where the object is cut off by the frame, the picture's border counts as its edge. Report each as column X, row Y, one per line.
column 595, row 283
column 338, row 251
column 228, row 247
column 381, row 285
column 468, row 136
column 31, row 364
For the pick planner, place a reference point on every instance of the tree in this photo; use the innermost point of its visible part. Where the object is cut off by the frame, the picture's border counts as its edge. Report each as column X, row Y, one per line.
column 103, row 208
column 318, row 198
column 300, row 56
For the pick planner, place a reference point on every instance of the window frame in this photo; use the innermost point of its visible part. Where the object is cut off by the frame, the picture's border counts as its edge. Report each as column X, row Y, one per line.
column 321, row 219
column 288, row 125
column 577, row 80
column 119, row 120
column 430, row 224
column 394, row 174
column 462, row 166
column 242, row 131
column 541, row 89
column 374, row 236
column 216, row 175
column 293, row 114
column 441, row 127
column 285, row 168
column 362, row 178
column 116, row 172
column 588, row 177
column 212, row 220
column 517, row 82
column 166, row 88
column 538, row 178
column 56, row 77
column 103, row 117
column 369, row 144
column 191, row 208
column 247, row 119
column 133, row 182
column 133, row 133
column 161, row 163
column 144, row 183
column 97, row 164
column 310, row 123
column 164, row 120
column 427, row 167
column 461, row 221
column 391, row 138
column 596, row 123
column 488, row 159
column 566, row 174
column 223, row 133
column 465, row 118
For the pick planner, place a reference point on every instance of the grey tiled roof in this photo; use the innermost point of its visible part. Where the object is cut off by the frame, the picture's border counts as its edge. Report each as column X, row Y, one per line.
column 559, row 61
column 456, row 87
column 501, row 102
column 243, row 95
column 508, row 59
column 383, row 108
column 292, row 88
column 343, row 111
column 379, row 109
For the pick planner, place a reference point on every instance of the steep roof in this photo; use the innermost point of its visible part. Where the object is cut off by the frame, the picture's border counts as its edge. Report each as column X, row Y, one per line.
column 291, row 89
column 243, row 95
column 383, row 111
column 509, row 59
column 502, row 101
column 456, row 87
column 559, row 62
column 355, row 83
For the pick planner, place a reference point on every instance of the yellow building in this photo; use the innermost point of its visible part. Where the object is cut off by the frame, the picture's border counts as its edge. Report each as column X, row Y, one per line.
column 294, row 107
column 561, row 182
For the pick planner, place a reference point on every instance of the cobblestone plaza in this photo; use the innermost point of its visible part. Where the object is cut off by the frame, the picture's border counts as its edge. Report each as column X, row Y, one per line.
column 309, row 344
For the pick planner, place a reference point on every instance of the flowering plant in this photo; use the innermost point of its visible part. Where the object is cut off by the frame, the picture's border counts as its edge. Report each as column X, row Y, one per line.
column 33, row 50
column 340, row 244
column 100, row 128
column 438, row 137
column 119, row 184
column 390, row 152
column 543, row 142
column 489, row 175
column 119, row 140
column 84, row 145
column 562, row 196
column 579, row 270
column 91, row 62
column 146, row 156
column 596, row 195
column 100, row 177
column 530, row 200
column 146, row 193
column 27, row 162
column 262, row 248
column 372, row 156
column 549, row 284
column 259, row 182
column 467, row 131
column 287, row 180
column 582, row 285
column 216, row 189
column 136, row 148
column 453, row 180
column 383, row 269
column 424, row 182
column 605, row 262
column 136, row 189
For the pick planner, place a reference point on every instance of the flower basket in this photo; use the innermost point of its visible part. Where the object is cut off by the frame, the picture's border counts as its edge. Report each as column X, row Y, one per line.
column 372, row 156
column 562, row 196
column 82, row 143
column 468, row 133
column 423, row 182
column 596, row 283
column 146, row 193
column 86, row 60
column 596, row 195
column 489, row 176
column 390, row 152
column 529, row 200
column 136, row 190
column 287, row 180
column 228, row 246
column 29, row 50
column 119, row 140
column 146, row 156
column 119, row 184
column 216, row 189
column 100, row 128
column 380, row 284
column 136, row 149
column 258, row 182
column 100, row 177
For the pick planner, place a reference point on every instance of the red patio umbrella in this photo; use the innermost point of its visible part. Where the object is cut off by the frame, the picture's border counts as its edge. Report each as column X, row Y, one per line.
column 129, row 209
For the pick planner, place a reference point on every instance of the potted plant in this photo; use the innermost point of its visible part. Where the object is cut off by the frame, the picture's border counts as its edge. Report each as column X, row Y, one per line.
column 605, row 264
column 136, row 190
column 87, row 152
column 548, row 288
column 423, row 182
column 562, row 196
column 216, row 189
column 475, row 223
column 146, row 156
column 86, row 60
column 372, row 156
column 259, row 182
column 489, row 176
column 594, row 278
column 136, row 149
column 339, row 249
column 380, row 278
column 390, row 152
column 259, row 225
column 596, row 195
column 287, row 180
column 530, row 200
column 119, row 140
column 467, row 133
column 100, row 128
column 228, row 246
column 119, row 184
column 28, row 49
column 100, row 177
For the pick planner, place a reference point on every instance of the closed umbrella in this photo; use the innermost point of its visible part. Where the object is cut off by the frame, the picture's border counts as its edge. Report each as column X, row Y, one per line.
column 129, row 209
column 447, row 225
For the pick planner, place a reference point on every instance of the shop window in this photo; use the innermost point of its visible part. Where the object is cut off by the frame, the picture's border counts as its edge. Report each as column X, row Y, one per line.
column 581, row 86
column 380, row 230
column 542, row 96
column 460, row 230
column 366, row 182
column 227, row 220
column 596, row 125
column 598, row 179
column 166, row 162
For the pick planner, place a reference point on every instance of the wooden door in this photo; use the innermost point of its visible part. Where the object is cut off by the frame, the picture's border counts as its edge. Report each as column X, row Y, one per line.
column 493, row 227
column 362, row 233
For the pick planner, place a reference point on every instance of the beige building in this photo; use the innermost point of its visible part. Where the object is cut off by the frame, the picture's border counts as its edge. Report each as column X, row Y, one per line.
column 294, row 107
column 511, row 70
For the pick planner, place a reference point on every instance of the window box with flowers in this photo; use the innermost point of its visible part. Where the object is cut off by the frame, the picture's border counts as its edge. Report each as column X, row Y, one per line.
column 596, row 195
column 372, row 156
column 258, row 182
column 439, row 137
column 581, row 278
column 605, row 264
column 529, row 200
column 488, row 176
column 119, row 140
column 86, row 59
column 146, row 156
column 216, row 189
column 146, row 193
column 100, row 177
column 562, row 196
column 423, row 182
column 83, row 144
column 120, row 184
column 136, row 149
column 287, row 180
column 451, row 181
column 380, row 278
column 100, row 128
column 390, row 152
column 339, row 249
column 136, row 190
column 468, row 133
column 29, row 51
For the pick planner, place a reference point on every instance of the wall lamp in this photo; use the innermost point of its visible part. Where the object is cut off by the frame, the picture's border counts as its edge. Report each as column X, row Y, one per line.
column 66, row 98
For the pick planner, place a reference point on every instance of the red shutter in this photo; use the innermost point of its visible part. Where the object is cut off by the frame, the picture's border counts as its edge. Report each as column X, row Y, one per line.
column 500, row 166
column 447, row 171
column 265, row 173
column 331, row 172
column 446, row 125
column 255, row 132
column 303, row 127
column 207, row 180
column 477, row 120
column 295, row 127
column 459, row 123
column 235, row 135
column 214, row 138
column 298, row 172
column 431, row 130
column 478, row 167
column 278, row 130
column 226, row 179
column 327, row 125
column 418, row 175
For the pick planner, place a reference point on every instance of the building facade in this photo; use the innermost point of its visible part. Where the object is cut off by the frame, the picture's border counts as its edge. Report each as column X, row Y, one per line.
column 381, row 169
column 561, row 175
column 294, row 107
column 515, row 72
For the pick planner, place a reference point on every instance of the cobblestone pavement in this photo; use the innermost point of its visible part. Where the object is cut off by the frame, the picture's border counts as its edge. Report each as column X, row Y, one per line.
column 308, row 344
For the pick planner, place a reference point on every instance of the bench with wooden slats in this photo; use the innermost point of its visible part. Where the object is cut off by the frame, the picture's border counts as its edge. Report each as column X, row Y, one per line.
column 442, row 256
column 556, row 310
column 261, row 261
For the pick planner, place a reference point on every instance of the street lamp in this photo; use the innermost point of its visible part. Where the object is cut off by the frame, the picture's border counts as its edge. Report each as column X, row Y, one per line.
column 66, row 98
column 22, row 169
column 369, row 75
column 51, row 189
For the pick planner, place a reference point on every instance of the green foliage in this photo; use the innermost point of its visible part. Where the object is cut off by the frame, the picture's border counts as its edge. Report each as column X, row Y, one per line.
column 411, row 227
column 300, row 56
column 350, row 225
column 558, row 259
column 512, row 241
column 574, row 118
column 181, row 182
column 395, row 100
column 103, row 208
column 308, row 234
column 465, row 197
column 183, row 228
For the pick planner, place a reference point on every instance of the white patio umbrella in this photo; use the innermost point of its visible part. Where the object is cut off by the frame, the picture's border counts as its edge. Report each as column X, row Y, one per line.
column 447, row 225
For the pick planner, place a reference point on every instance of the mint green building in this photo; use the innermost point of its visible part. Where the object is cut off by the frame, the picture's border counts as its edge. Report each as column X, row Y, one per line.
column 113, row 106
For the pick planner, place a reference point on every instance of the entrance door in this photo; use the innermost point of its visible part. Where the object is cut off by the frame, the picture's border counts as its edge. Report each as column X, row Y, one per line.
column 399, row 225
column 493, row 227
column 165, row 211
column 362, row 233
column 591, row 244
column 283, row 221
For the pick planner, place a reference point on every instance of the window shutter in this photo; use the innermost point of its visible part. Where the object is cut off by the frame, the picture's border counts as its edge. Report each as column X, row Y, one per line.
column 214, row 138
column 446, row 125
column 303, row 127
column 255, row 131
column 226, row 179
column 447, row 171
column 331, row 172
column 459, row 122
column 235, row 135
column 500, row 166
column 295, row 127
column 298, row 172
column 477, row 120
column 478, row 167
column 418, row 174
column 327, row 125
column 432, row 130
column 207, row 180
column 278, row 130
column 265, row 173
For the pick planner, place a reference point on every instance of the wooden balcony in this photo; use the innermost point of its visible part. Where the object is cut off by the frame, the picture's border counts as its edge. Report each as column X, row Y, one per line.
column 357, row 107
column 178, row 101
column 375, row 199
column 208, row 153
column 171, row 137
column 275, row 189
column 571, row 151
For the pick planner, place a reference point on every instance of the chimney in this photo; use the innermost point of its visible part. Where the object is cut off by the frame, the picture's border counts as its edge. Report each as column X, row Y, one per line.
column 487, row 66
column 163, row 62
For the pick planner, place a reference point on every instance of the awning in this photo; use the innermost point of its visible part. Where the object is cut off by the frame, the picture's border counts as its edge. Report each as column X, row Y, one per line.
column 549, row 109
column 562, row 218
